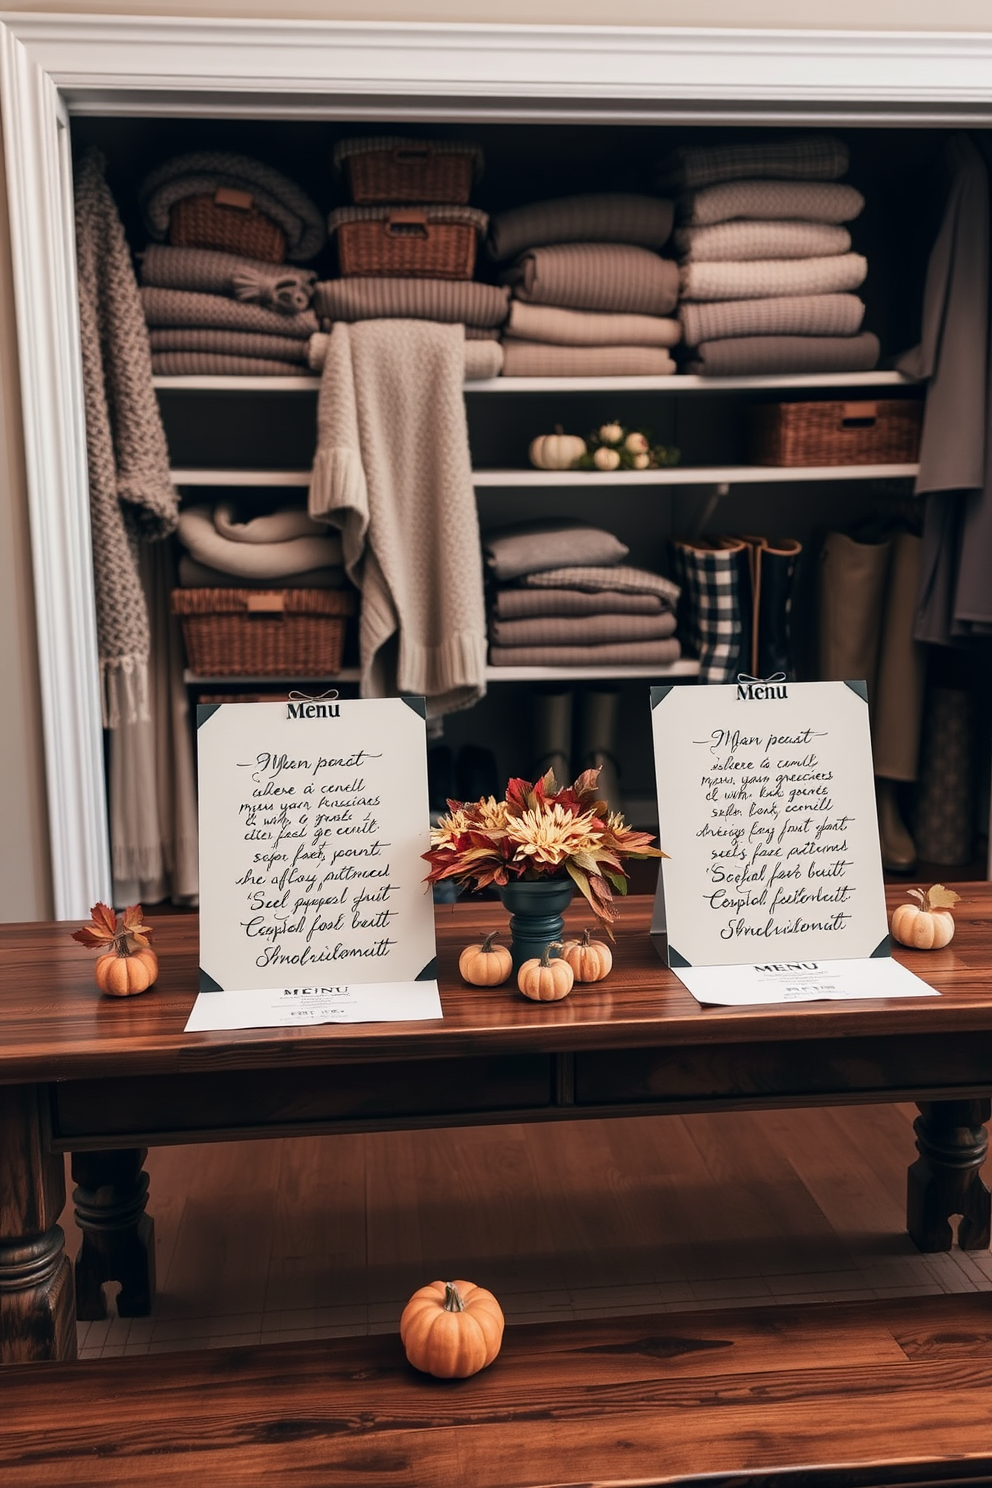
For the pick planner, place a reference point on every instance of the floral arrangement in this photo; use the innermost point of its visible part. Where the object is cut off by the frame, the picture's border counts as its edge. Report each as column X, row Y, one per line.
column 539, row 832
column 615, row 447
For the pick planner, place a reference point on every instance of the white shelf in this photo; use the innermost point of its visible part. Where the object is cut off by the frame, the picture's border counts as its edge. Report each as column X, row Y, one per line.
column 241, row 478
column 304, row 383
column 493, row 674
column 692, row 475
column 671, row 384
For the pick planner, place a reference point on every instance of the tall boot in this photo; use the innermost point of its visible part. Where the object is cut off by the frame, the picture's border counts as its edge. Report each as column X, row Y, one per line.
column 945, row 798
column 773, row 572
column 897, row 704
column 598, row 744
column 853, row 578
column 553, row 735
column 715, row 608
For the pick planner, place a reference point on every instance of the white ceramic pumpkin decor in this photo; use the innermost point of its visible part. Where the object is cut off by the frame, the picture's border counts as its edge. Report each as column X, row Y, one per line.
column 928, row 924
column 557, row 451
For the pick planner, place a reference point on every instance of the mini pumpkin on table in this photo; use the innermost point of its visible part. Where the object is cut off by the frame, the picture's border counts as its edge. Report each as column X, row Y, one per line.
column 128, row 964
column 927, row 925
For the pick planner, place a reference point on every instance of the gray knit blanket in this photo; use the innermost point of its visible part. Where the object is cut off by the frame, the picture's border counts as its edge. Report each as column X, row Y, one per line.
column 604, row 629
column 755, row 355
column 766, row 277
column 483, row 358
column 524, row 604
column 393, row 472
column 559, row 327
column 451, row 301
column 622, row 579
column 810, row 157
column 787, row 315
column 529, row 547
column 596, row 276
column 215, row 364
column 607, row 217
column 230, row 343
column 619, row 653
column 280, row 287
column 201, row 172
column 776, row 201
column 185, row 307
column 743, row 240
column 538, row 359
column 131, row 494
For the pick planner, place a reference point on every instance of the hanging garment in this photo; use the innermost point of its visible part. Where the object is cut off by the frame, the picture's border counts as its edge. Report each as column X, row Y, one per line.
column 393, row 471
column 955, row 599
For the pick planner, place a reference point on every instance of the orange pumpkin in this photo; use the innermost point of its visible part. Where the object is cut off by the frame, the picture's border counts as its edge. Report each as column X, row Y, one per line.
column 485, row 965
column 590, row 960
column 124, row 975
column 128, row 963
column 547, row 979
column 451, row 1329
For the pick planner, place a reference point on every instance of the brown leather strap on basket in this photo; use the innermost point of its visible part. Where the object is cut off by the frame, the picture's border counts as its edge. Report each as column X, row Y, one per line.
column 407, row 222
column 226, row 196
column 859, row 416
column 266, row 603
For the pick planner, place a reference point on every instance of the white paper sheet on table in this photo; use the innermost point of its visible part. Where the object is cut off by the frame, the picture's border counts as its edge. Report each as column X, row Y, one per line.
column 304, row 1007
column 801, row 981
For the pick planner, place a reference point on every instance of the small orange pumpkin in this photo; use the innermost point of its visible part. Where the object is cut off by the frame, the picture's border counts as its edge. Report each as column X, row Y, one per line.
column 927, row 925
column 451, row 1329
column 547, row 979
column 590, row 960
column 123, row 974
column 128, row 964
column 485, row 965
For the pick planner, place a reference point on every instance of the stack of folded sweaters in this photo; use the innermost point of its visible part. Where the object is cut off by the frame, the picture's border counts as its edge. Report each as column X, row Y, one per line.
column 591, row 296
column 562, row 596
column 219, row 297
column 225, row 548
column 768, row 276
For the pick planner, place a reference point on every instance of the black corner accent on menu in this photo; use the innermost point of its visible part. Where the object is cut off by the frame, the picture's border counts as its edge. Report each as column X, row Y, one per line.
column 205, row 711
column 429, row 973
column 418, row 704
column 207, row 983
column 883, row 949
column 659, row 694
column 861, row 688
column 675, row 958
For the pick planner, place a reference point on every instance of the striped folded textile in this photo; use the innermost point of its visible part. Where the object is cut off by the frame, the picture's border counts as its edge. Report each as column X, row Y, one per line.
column 215, row 364
column 620, row 653
column 777, row 201
column 744, row 240
column 229, row 343
column 539, row 359
column 451, row 301
column 558, row 327
column 581, row 630
column 591, row 578
column 808, row 157
column 606, row 217
column 596, row 276
column 744, row 356
column 187, row 307
column 281, row 287
column 525, row 604
column 766, row 277
column 789, row 315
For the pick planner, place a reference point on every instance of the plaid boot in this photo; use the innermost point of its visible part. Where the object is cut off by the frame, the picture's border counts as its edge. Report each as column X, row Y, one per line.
column 715, row 611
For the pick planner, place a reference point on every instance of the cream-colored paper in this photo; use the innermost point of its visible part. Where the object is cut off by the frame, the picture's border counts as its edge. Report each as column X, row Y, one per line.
column 801, row 981
column 306, row 1007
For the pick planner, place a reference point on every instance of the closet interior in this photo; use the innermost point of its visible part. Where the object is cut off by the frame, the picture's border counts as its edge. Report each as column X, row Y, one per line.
column 250, row 440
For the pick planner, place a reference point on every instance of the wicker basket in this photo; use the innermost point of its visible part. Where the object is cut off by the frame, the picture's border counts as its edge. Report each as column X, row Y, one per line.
column 264, row 633
column 407, row 242
column 228, row 220
column 407, row 170
column 881, row 433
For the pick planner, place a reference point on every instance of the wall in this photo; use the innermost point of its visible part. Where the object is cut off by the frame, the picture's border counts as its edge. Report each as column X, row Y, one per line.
column 24, row 869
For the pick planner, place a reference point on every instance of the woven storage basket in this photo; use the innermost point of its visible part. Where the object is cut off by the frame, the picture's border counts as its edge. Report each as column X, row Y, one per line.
column 265, row 633
column 880, row 433
column 407, row 170
column 407, row 242
column 226, row 220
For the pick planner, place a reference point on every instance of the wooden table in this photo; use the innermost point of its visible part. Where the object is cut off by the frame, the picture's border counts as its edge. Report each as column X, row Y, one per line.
column 105, row 1079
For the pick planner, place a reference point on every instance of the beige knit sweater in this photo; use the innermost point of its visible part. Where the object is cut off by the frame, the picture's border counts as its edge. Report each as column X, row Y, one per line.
column 393, row 472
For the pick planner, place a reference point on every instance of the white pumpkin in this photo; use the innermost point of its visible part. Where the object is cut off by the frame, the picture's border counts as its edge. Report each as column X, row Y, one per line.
column 557, row 451
column 636, row 444
column 927, row 925
column 611, row 433
column 606, row 459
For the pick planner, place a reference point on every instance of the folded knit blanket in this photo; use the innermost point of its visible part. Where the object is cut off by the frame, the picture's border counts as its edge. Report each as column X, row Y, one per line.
column 451, row 301
column 523, row 604
column 609, row 217
column 787, row 315
column 809, row 157
column 765, row 277
column 581, row 630
column 393, row 471
column 559, row 327
column 532, row 546
column 538, row 359
column 754, row 355
column 229, row 343
column 253, row 560
column 741, row 240
column 279, row 286
column 622, row 579
column 596, row 276
column 193, row 575
column 271, row 527
column 186, row 307
column 201, row 172
column 619, row 653
column 777, row 201
column 483, row 359
column 215, row 364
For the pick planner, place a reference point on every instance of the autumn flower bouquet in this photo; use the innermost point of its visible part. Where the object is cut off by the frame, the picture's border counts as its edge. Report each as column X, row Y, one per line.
column 538, row 832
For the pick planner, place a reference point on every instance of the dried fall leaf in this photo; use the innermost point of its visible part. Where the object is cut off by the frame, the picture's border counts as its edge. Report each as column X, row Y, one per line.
column 938, row 897
column 104, row 918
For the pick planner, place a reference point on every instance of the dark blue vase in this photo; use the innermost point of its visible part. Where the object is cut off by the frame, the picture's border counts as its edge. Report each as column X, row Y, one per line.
column 535, row 915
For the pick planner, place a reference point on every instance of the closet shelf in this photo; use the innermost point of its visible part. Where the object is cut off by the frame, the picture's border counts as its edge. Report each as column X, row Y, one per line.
column 673, row 384
column 685, row 668
column 681, row 475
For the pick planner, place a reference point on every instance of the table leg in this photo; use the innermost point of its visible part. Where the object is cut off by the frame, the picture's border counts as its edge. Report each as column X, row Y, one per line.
column 37, row 1315
column 945, row 1179
column 118, row 1236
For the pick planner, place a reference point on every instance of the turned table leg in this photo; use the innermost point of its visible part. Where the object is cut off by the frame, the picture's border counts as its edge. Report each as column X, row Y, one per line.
column 945, row 1179
column 37, row 1315
column 118, row 1236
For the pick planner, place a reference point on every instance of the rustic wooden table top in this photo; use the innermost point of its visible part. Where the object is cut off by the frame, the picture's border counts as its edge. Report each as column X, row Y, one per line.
column 54, row 1024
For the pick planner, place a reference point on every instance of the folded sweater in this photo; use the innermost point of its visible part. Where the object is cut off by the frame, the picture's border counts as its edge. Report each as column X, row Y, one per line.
column 581, row 630
column 591, row 578
column 451, row 301
column 217, row 364
column 754, row 355
column 756, row 239
column 186, row 307
column 618, row 653
column 787, row 315
column 765, row 277
column 522, row 604
column 280, row 287
column 538, row 359
column 558, row 327
column 606, row 217
column 512, row 552
column 596, row 276
column 808, row 157
column 229, row 343
column 805, row 201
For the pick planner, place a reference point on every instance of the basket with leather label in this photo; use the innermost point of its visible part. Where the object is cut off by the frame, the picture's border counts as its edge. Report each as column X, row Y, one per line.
column 262, row 632
column 423, row 242
column 885, row 432
column 229, row 220
column 390, row 169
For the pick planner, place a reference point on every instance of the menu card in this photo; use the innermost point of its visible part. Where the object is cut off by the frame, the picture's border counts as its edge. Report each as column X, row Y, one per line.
column 313, row 818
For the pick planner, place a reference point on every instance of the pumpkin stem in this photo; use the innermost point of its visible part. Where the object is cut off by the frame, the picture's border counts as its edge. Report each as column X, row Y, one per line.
column 121, row 946
column 487, row 944
column 553, row 945
column 559, row 429
column 452, row 1298
column 586, row 936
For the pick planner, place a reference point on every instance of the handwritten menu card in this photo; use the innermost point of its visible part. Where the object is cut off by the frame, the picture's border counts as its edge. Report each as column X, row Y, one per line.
column 313, row 817
column 767, row 809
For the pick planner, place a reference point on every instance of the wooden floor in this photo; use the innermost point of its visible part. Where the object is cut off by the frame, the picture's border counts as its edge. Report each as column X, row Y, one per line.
column 325, row 1237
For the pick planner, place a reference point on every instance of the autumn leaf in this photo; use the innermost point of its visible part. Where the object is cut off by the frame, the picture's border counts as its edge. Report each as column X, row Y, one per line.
column 102, row 929
column 134, row 927
column 940, row 898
